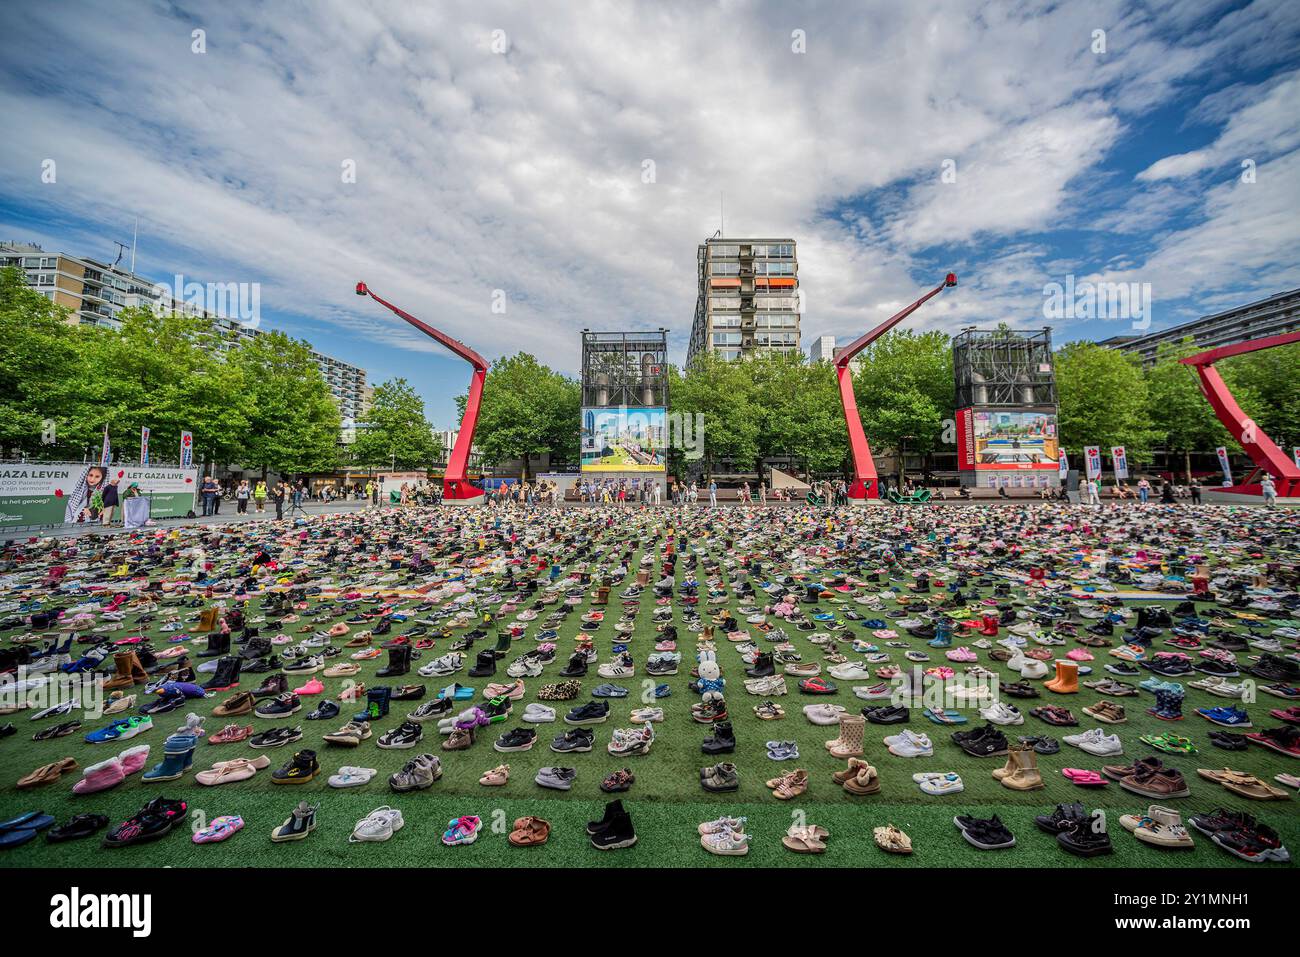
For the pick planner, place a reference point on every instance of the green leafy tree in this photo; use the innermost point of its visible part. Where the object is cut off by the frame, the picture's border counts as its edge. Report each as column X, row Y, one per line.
column 527, row 409
column 397, row 433
column 161, row 370
column 1103, row 397
column 797, row 408
column 293, row 419
column 36, row 353
column 1266, row 385
column 904, row 391
column 724, row 394
column 1182, row 421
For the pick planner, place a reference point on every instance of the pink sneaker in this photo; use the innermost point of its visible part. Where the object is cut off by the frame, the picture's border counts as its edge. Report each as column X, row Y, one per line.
column 667, row 645
column 134, row 759
column 311, row 687
column 1079, row 654
column 100, row 777
column 221, row 828
column 962, row 654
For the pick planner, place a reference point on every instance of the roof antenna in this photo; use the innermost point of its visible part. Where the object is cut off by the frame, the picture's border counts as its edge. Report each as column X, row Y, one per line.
column 121, row 248
column 722, row 217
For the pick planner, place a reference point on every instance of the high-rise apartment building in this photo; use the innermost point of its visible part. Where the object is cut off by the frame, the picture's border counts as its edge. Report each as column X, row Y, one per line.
column 94, row 292
column 748, row 298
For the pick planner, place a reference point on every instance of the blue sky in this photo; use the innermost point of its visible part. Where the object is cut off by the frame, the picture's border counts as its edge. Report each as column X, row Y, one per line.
column 504, row 147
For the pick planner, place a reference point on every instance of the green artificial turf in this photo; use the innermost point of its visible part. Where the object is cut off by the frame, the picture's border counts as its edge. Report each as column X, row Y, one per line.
column 666, row 803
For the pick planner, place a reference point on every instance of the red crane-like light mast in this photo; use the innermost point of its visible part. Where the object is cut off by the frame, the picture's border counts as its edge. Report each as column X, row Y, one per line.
column 864, row 484
column 456, row 487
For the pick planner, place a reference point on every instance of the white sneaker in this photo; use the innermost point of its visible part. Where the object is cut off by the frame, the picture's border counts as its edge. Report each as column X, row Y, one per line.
column 939, row 782
column 876, row 692
column 379, row 825
column 1096, row 742
column 909, row 744
column 850, row 671
column 1000, row 713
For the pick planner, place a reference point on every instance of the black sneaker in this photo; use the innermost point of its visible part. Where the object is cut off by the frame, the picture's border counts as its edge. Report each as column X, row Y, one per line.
column 406, row 735
column 1064, row 817
column 275, row 738
column 281, row 707
column 987, row 835
column 1080, row 839
column 616, row 833
column 593, row 712
column 300, row 769
column 516, row 739
column 991, row 742
column 154, row 820
column 498, row 709
column 324, row 710
column 575, row 739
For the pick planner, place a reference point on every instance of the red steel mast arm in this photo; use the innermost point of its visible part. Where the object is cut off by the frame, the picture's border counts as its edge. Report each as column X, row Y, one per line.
column 864, row 467
column 1262, row 450
column 843, row 356
column 455, row 486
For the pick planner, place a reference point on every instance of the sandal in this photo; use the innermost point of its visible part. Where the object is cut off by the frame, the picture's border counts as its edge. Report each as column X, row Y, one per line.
column 1084, row 778
column 47, row 773
column 806, row 839
column 618, row 781
column 497, row 777
column 1247, row 785
column 1169, row 743
column 529, row 832
column 769, row 711
column 892, row 840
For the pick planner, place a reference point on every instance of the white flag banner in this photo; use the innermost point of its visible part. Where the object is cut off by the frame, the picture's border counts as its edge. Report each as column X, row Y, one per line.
column 1063, row 466
column 1224, row 464
column 1092, row 459
column 1295, row 454
column 187, row 450
column 1119, row 459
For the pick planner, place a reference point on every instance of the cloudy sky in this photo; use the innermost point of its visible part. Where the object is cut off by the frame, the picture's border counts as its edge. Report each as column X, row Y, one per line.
column 573, row 155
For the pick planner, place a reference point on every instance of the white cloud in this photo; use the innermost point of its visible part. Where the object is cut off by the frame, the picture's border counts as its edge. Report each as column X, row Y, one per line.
column 478, row 171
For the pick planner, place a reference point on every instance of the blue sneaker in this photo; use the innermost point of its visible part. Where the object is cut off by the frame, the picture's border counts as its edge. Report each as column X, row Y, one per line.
column 662, row 691
column 1227, row 716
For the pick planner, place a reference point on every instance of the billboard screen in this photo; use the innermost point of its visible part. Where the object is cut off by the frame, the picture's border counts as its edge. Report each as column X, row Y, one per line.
column 1015, row 440
column 624, row 439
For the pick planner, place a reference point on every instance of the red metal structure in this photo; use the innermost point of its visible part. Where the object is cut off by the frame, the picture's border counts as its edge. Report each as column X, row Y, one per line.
column 865, row 485
column 456, row 487
column 1262, row 450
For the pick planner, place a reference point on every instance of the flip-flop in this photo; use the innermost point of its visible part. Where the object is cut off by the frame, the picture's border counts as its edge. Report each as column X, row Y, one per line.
column 803, row 844
column 1169, row 743
column 948, row 716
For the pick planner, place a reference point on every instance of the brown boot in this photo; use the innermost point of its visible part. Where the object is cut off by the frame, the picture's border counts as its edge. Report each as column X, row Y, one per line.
column 850, row 772
column 126, row 662
column 138, row 674
column 1026, row 776
column 207, row 621
column 1010, row 767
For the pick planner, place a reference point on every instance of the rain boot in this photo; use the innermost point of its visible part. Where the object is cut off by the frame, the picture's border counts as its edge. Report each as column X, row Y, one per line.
column 1066, row 680
column 377, row 700
column 218, row 644
column 849, row 743
column 399, row 662
column 207, row 621
column 226, row 675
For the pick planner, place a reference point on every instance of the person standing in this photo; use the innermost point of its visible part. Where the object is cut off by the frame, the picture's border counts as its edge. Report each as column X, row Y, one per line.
column 216, row 498
column 1196, row 492
column 1269, row 489
column 762, row 492
column 259, row 495
column 713, row 494
column 1094, row 497
column 241, row 497
column 277, row 498
column 208, row 490
column 1144, row 490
